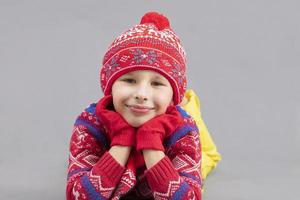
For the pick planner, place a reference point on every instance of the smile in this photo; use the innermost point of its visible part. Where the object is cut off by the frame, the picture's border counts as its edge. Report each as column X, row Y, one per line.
column 139, row 109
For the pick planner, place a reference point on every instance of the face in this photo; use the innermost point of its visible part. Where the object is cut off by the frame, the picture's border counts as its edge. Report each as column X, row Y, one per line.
column 141, row 95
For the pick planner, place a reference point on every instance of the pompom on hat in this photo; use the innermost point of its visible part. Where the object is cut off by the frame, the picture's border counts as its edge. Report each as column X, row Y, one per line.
column 150, row 45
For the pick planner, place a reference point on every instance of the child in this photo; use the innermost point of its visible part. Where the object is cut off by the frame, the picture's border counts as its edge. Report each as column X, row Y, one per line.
column 137, row 142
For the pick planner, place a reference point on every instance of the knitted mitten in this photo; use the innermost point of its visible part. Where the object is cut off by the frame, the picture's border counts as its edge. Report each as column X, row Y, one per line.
column 135, row 160
column 151, row 134
column 119, row 131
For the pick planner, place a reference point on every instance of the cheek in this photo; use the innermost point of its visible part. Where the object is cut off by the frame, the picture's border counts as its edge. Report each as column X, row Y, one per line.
column 163, row 101
column 119, row 93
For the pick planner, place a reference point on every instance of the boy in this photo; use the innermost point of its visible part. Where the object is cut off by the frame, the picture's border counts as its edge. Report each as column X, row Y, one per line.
column 136, row 142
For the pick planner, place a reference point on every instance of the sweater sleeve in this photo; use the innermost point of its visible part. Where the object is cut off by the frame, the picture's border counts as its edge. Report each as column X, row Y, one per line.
column 178, row 174
column 210, row 154
column 92, row 172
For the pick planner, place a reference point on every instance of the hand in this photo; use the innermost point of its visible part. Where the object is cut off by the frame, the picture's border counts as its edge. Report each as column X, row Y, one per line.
column 119, row 131
column 152, row 134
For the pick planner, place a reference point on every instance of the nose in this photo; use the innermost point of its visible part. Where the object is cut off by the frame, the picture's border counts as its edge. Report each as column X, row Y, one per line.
column 140, row 98
column 141, row 93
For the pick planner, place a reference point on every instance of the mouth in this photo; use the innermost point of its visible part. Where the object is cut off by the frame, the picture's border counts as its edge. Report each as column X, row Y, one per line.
column 139, row 108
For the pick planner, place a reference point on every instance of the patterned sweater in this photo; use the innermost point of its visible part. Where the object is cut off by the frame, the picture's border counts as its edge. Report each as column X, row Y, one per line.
column 94, row 174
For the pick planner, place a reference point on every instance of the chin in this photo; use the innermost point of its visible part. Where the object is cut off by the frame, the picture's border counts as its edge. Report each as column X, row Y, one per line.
column 136, row 124
column 137, row 121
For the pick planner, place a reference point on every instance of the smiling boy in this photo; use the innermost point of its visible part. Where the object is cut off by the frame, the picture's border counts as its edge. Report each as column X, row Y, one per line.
column 136, row 142
column 141, row 95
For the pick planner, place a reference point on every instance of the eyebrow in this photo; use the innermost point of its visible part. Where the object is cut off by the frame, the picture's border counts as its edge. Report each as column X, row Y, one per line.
column 160, row 78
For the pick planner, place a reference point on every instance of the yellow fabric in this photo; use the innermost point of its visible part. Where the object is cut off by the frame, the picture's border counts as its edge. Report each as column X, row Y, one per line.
column 210, row 155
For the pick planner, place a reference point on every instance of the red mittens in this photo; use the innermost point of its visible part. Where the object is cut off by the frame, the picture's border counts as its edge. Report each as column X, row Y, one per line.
column 149, row 136
column 135, row 160
column 119, row 131
column 152, row 133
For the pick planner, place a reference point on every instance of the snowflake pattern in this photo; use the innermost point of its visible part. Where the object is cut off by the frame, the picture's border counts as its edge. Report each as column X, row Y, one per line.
column 178, row 73
column 112, row 66
column 139, row 55
column 152, row 57
column 166, row 63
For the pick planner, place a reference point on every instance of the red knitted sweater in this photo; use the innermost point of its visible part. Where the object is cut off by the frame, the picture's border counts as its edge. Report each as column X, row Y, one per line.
column 94, row 174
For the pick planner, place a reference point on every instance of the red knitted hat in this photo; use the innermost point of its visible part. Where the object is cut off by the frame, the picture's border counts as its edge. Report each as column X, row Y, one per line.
column 150, row 45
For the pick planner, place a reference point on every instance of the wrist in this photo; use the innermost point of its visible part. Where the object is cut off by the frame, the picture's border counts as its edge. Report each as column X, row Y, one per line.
column 152, row 157
column 120, row 153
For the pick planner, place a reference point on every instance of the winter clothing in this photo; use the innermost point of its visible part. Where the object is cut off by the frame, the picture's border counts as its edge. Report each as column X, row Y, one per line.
column 151, row 134
column 150, row 45
column 94, row 174
column 119, row 131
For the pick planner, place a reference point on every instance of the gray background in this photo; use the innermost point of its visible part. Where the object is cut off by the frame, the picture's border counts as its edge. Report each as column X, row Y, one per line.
column 243, row 62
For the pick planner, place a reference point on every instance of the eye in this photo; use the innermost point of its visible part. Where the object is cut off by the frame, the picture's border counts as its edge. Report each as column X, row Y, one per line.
column 129, row 80
column 157, row 83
